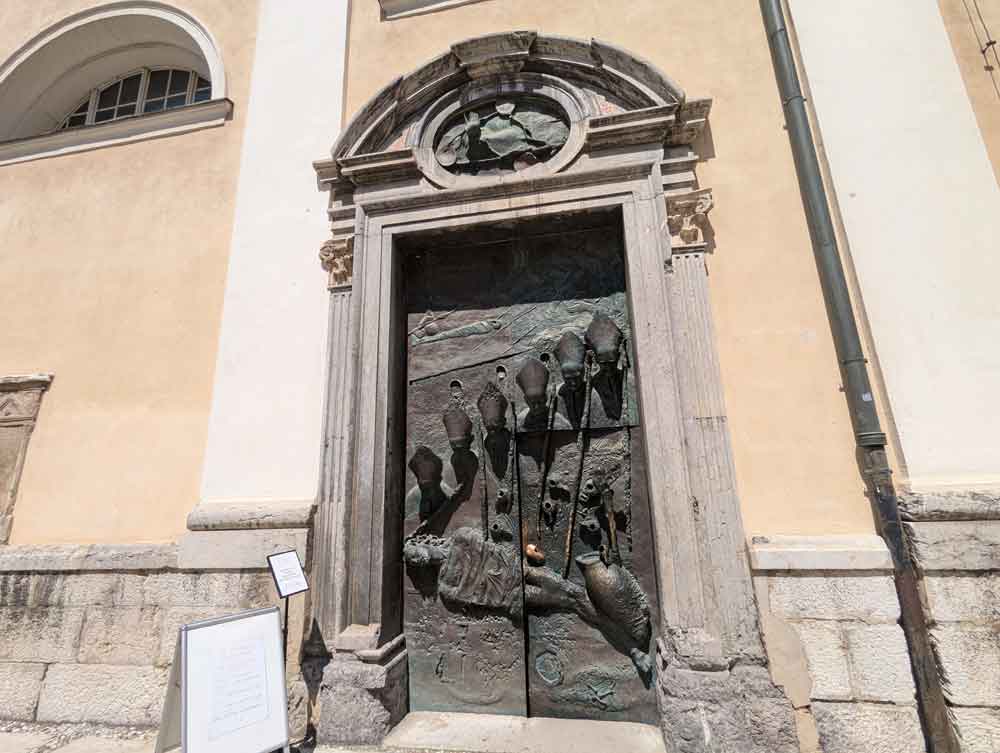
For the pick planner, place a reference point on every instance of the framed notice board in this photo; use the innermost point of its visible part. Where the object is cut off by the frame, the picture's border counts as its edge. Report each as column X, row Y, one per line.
column 227, row 687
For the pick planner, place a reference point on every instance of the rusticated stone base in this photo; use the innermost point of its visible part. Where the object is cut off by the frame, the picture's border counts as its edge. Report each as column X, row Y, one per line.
column 830, row 615
column 359, row 703
column 87, row 633
column 736, row 710
column 955, row 538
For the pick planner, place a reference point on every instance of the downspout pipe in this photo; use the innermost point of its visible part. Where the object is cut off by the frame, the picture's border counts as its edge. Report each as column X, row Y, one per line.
column 939, row 732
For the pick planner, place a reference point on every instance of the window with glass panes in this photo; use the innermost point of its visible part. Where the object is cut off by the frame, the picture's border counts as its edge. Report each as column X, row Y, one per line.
column 139, row 92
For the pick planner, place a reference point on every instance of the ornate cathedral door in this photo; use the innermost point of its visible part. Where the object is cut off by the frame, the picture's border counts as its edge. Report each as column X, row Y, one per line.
column 529, row 586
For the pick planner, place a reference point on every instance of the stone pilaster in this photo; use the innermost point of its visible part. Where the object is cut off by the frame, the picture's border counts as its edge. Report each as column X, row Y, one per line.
column 330, row 564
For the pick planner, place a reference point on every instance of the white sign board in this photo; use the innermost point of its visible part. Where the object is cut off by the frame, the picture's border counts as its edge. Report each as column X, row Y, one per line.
column 227, row 687
column 287, row 572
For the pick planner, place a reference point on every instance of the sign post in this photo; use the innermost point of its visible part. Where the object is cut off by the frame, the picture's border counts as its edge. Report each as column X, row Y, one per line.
column 289, row 579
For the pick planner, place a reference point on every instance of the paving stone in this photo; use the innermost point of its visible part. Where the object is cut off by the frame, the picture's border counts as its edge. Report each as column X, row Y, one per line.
column 868, row 728
column 105, row 694
column 826, row 655
column 21, row 742
column 880, row 663
column 823, row 596
column 120, row 635
column 44, row 634
column 427, row 730
column 20, row 684
column 104, row 745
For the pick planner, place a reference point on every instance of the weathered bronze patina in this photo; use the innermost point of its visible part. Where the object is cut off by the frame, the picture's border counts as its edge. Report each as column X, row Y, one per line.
column 502, row 136
column 530, row 586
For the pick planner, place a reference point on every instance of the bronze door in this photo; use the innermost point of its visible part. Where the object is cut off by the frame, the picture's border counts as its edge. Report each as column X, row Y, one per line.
column 529, row 583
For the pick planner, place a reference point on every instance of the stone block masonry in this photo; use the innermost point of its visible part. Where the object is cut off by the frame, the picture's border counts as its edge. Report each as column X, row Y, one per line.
column 93, row 642
column 830, row 617
column 956, row 542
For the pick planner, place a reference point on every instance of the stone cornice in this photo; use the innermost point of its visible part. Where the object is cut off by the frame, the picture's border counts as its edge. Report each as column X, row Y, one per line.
column 179, row 120
column 25, row 382
column 252, row 515
column 794, row 553
column 71, row 557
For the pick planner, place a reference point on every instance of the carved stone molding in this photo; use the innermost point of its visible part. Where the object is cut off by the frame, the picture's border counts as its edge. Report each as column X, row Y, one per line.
column 687, row 219
column 494, row 54
column 20, row 399
column 337, row 258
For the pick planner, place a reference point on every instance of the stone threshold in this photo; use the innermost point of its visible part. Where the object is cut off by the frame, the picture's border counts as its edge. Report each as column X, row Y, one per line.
column 493, row 733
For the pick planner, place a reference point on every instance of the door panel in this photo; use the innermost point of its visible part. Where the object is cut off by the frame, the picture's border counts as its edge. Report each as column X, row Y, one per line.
column 529, row 581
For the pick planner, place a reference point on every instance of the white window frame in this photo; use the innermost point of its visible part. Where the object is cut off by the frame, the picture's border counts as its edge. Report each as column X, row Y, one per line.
column 140, row 103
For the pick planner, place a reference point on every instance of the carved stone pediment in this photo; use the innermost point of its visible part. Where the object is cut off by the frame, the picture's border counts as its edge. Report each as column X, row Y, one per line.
column 495, row 54
column 585, row 83
column 516, row 111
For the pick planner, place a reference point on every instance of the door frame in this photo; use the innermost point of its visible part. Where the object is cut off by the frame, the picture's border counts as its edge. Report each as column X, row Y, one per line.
column 689, row 561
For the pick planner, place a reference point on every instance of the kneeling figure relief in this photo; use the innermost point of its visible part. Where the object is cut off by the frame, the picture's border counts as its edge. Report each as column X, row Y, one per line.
column 529, row 585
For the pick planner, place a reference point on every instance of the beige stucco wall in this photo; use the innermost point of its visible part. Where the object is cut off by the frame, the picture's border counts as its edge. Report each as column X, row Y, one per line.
column 113, row 265
column 793, row 444
column 982, row 85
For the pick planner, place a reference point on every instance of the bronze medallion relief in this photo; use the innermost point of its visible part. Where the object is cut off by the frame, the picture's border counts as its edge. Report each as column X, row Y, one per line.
column 502, row 136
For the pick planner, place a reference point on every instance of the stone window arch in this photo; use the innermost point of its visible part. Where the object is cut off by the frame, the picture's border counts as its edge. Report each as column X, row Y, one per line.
column 43, row 82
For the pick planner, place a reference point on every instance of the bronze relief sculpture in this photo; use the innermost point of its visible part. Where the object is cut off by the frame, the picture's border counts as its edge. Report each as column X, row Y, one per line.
column 528, row 550
column 502, row 136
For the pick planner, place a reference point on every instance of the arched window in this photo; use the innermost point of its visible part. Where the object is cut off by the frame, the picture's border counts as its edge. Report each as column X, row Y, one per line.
column 130, row 58
column 139, row 92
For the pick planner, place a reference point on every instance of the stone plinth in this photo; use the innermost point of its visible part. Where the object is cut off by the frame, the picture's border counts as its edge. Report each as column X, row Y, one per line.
column 359, row 702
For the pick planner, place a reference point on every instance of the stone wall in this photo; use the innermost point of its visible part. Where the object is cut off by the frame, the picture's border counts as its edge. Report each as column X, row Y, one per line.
column 956, row 543
column 830, row 616
column 87, row 634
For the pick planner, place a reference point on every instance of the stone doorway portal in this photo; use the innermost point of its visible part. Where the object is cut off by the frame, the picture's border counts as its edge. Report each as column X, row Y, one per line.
column 529, row 583
column 455, row 164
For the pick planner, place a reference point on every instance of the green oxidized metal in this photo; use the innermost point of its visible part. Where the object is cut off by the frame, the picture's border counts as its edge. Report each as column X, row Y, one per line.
column 502, row 136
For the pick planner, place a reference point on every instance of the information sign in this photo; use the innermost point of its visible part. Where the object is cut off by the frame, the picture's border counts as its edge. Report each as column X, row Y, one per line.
column 227, row 687
column 287, row 572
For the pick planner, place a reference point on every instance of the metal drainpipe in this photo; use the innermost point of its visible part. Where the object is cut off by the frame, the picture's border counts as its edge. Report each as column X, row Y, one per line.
column 939, row 732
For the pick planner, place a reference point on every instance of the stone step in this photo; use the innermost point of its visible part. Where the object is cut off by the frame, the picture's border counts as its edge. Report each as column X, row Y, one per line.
column 492, row 733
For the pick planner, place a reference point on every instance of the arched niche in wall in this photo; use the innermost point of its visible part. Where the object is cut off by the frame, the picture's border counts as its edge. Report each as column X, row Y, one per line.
column 45, row 79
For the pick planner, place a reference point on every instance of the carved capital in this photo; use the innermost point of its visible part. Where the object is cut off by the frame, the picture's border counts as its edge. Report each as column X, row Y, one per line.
column 337, row 258
column 687, row 217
